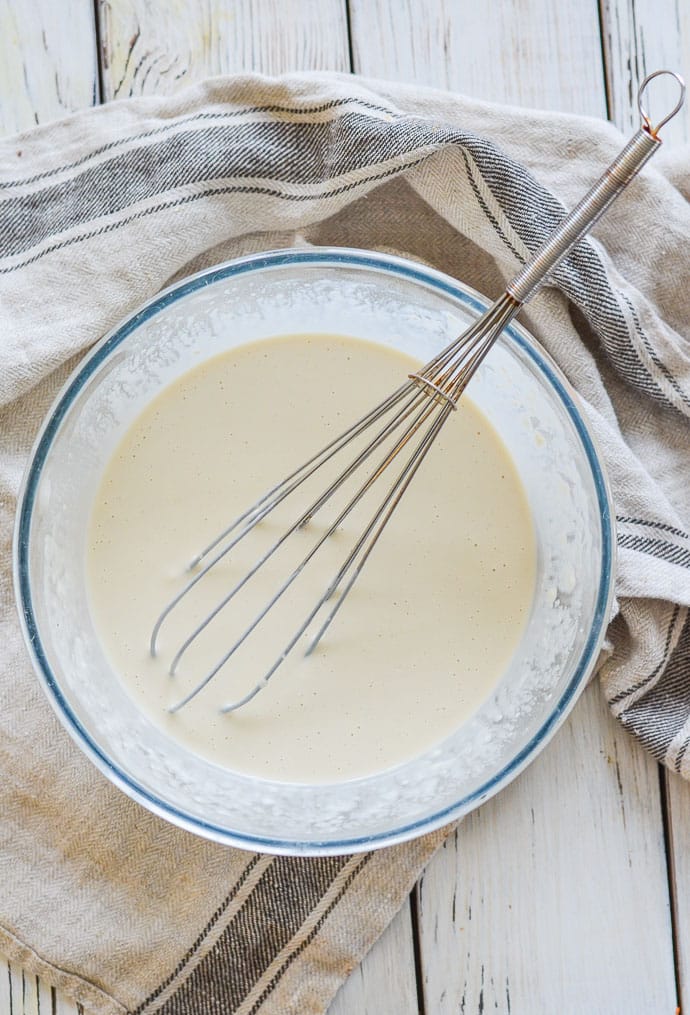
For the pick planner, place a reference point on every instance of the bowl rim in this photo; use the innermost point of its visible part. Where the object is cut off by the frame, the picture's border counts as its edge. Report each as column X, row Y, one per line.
column 318, row 257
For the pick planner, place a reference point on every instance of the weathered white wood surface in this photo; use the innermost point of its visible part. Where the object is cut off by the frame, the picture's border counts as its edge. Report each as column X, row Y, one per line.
column 553, row 897
column 22, row 994
column 565, row 873
column 640, row 36
column 154, row 46
column 539, row 53
column 48, row 62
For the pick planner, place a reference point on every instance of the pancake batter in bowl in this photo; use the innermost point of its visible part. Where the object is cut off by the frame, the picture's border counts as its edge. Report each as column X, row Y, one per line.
column 429, row 626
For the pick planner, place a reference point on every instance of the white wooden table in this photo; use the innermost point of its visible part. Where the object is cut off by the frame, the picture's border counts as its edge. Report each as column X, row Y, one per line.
column 569, row 893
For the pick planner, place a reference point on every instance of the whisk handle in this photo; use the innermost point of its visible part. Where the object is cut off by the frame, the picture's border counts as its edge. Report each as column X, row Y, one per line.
column 580, row 220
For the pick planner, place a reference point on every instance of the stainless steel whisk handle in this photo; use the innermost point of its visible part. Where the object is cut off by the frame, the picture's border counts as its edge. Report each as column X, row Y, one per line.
column 615, row 179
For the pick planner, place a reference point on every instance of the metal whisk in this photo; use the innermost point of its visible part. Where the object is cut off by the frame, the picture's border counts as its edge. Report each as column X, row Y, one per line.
column 409, row 420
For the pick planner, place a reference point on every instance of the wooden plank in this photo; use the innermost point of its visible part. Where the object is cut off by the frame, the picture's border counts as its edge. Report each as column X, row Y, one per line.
column 540, row 53
column 155, row 46
column 15, row 977
column 553, row 897
column 384, row 984
column 48, row 68
column 640, row 36
column 5, row 987
column 47, row 1000
column 678, row 809
column 65, row 1007
column 30, row 994
column 48, row 64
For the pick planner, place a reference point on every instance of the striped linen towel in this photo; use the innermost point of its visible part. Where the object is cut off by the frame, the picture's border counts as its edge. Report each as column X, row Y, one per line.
column 99, row 212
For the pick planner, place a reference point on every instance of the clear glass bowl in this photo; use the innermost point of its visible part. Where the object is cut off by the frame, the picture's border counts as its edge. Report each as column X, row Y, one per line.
column 385, row 299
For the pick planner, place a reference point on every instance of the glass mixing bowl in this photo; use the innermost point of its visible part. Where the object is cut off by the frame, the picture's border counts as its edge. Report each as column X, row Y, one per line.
column 388, row 300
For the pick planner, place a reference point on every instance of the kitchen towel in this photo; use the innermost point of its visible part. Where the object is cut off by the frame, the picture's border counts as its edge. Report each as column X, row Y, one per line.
column 100, row 211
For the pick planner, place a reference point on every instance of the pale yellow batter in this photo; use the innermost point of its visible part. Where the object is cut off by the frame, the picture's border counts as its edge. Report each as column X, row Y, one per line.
column 427, row 630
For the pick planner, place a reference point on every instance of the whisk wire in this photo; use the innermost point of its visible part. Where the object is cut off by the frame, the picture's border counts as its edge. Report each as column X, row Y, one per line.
column 424, row 410
column 307, row 469
column 390, row 501
column 261, row 508
column 401, row 485
column 299, row 523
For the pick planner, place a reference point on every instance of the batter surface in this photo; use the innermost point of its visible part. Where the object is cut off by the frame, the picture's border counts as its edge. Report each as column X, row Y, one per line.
column 427, row 630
